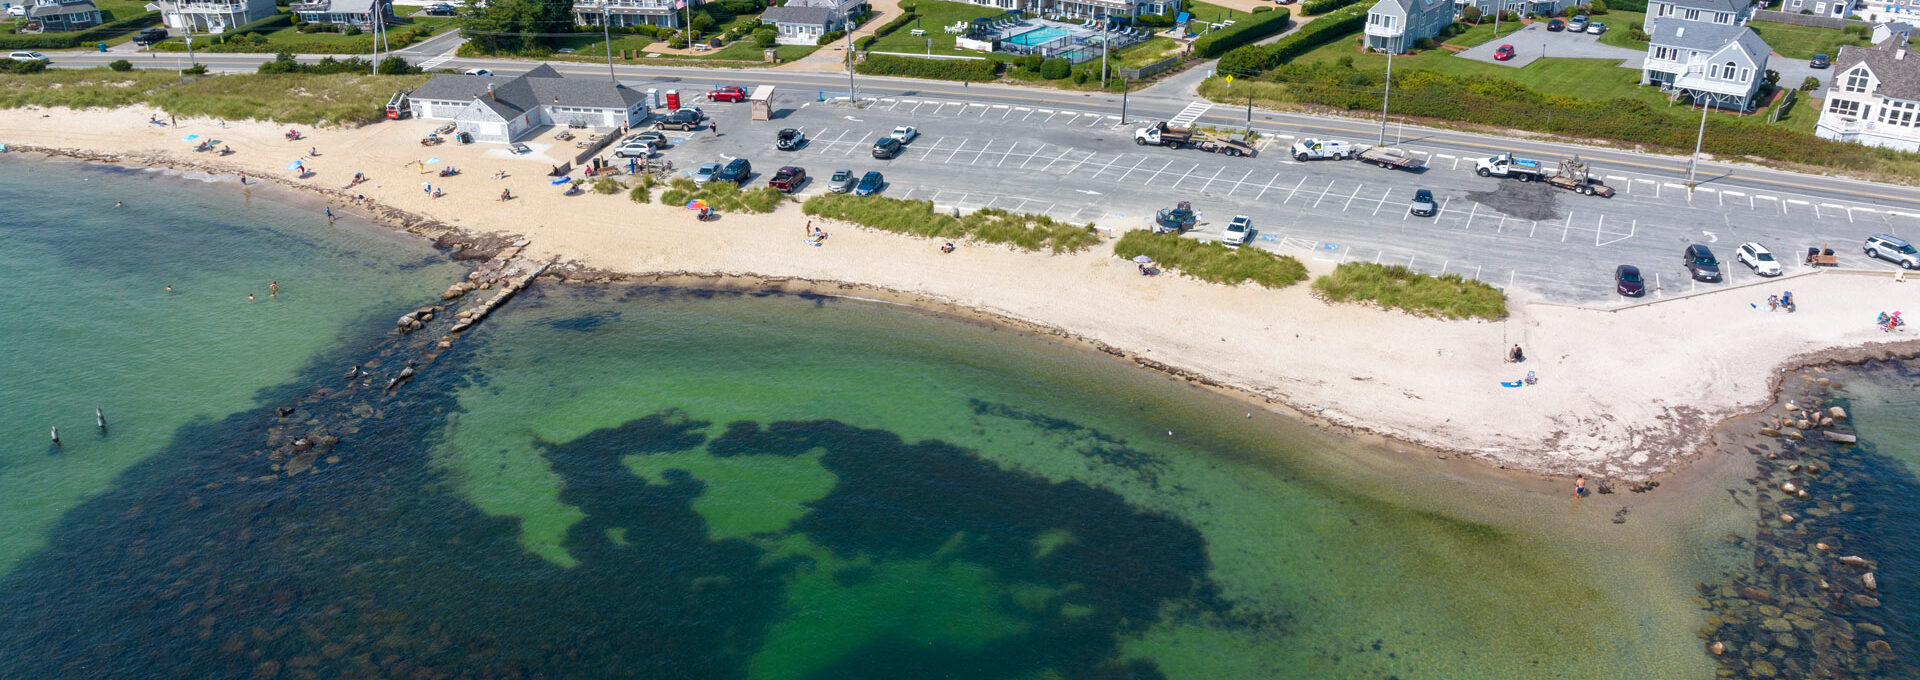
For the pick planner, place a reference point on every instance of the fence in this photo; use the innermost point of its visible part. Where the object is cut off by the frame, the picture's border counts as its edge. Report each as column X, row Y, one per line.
column 1150, row 70
column 1805, row 19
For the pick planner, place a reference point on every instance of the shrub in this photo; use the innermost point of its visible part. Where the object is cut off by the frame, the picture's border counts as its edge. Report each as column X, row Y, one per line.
column 1597, row 7
column 1262, row 8
column 11, row 66
column 1324, row 6
column 677, row 42
column 974, row 70
column 906, row 17
column 1209, row 261
column 702, row 23
column 1807, row 12
column 642, row 191
column 352, row 30
column 1425, row 44
column 865, row 42
column 765, row 37
column 1031, row 62
column 1333, row 26
column 1451, row 296
column 607, row 185
column 1026, row 232
column 1470, row 14
column 828, row 37
column 1244, row 32
column 723, row 196
column 1079, row 77
column 1154, row 20
column 57, row 41
column 1054, row 69
column 1810, row 84
column 121, row 65
column 195, row 70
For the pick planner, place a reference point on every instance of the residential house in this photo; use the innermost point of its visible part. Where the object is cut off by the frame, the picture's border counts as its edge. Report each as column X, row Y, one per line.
column 669, row 13
column 1840, row 9
column 1521, row 7
column 57, row 16
column 1882, row 31
column 1887, row 10
column 213, row 16
column 852, row 8
column 1723, row 12
column 1875, row 97
column 1720, row 64
column 1396, row 25
column 503, row 109
column 358, row 13
column 801, row 25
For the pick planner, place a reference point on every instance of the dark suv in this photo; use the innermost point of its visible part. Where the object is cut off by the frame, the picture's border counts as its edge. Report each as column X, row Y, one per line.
column 1701, row 263
column 737, row 172
column 886, row 148
column 684, row 119
column 150, row 36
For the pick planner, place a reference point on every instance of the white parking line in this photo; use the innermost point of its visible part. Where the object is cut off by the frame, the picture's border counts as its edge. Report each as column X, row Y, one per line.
column 956, row 151
column 983, row 150
column 1184, row 175
column 1349, row 203
column 1240, row 182
column 1156, row 173
column 1009, row 153
column 1296, row 189
column 1475, row 210
column 1209, row 184
column 1031, row 156
column 1568, row 228
column 1323, row 194
column 1263, row 190
column 1442, row 210
column 935, row 147
column 1383, row 201
column 1110, row 163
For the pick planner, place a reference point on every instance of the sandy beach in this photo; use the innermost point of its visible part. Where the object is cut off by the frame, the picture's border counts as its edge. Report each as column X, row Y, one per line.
column 1624, row 393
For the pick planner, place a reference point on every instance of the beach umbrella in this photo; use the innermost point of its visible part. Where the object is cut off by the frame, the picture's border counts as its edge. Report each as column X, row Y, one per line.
column 431, row 161
column 1142, row 259
column 213, row 141
column 696, row 204
column 296, row 165
column 561, row 180
column 189, row 138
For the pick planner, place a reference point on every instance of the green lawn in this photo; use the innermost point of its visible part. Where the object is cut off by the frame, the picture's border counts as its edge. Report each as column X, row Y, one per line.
column 1618, row 32
column 1803, row 115
column 1584, row 78
column 290, row 39
column 933, row 16
column 589, row 47
column 1802, row 42
column 1203, row 12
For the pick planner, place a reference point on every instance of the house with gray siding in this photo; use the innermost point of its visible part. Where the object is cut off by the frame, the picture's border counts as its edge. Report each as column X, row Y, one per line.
column 59, row 16
column 356, row 13
column 1723, row 12
column 1394, row 26
column 503, row 109
column 1722, row 65
column 801, row 25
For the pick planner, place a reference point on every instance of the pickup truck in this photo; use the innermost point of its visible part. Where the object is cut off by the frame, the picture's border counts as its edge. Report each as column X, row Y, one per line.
column 1390, row 158
column 1316, row 149
column 1160, row 134
column 788, row 179
column 1174, row 220
column 1572, row 175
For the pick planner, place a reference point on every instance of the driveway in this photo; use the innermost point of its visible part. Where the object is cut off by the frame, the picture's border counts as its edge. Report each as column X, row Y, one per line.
column 1535, row 41
column 1792, row 71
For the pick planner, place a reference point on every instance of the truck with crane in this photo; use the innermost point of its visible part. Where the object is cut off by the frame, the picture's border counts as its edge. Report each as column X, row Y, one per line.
column 1572, row 174
column 1161, row 134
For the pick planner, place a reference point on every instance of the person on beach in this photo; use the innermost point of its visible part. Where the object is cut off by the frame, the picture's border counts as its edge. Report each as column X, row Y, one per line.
column 1773, row 303
column 423, row 166
column 329, row 214
column 1579, row 487
column 119, row 204
column 437, row 193
column 426, row 188
column 1786, row 300
column 809, row 229
column 1515, row 356
column 506, row 194
column 169, row 288
column 243, row 178
column 948, row 248
column 171, row 121
column 313, row 151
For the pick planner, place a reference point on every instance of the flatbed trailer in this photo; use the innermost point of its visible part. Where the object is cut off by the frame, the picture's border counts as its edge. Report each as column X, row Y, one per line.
column 1391, row 158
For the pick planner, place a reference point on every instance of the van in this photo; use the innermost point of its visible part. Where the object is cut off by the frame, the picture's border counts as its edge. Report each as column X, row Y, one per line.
column 737, row 172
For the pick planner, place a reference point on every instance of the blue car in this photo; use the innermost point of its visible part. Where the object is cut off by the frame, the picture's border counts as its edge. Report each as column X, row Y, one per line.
column 869, row 184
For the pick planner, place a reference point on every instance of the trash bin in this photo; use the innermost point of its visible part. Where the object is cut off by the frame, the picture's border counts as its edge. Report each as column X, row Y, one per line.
column 102, row 46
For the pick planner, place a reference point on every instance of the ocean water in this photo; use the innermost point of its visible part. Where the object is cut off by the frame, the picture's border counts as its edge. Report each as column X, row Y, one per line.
column 635, row 482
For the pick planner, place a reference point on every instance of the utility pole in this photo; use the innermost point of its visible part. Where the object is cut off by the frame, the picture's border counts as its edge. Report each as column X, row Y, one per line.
column 1384, row 98
column 1123, row 100
column 846, row 22
column 1106, row 45
column 187, row 21
column 606, row 33
column 1693, row 165
column 1249, row 108
column 376, row 36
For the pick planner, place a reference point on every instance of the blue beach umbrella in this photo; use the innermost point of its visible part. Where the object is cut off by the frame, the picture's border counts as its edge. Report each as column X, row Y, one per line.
column 296, row 165
column 561, row 180
column 431, row 161
column 189, row 138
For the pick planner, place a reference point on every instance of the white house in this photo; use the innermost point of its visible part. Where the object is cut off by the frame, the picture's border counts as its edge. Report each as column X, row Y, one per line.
column 1723, row 12
column 1396, row 25
column 213, row 16
column 1840, row 9
column 501, row 109
column 632, row 12
column 1875, row 97
column 1540, row 7
column 1887, row 10
column 1720, row 64
column 344, row 12
column 801, row 25
column 1882, row 31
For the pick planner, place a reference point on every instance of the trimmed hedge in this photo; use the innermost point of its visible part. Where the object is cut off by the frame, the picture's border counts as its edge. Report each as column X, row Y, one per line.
column 61, row 41
column 1323, row 6
column 1253, row 29
column 975, row 70
column 1257, row 58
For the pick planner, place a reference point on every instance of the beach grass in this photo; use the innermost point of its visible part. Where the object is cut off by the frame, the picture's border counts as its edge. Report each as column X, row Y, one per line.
column 723, row 196
column 1451, row 296
column 79, row 88
column 339, row 99
column 1209, row 261
column 1023, row 231
column 642, row 191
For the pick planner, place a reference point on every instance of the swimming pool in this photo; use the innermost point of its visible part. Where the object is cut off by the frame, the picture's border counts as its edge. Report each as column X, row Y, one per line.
column 1038, row 36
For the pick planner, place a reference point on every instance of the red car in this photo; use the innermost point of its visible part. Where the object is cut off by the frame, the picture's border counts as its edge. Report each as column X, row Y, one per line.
column 728, row 94
column 1504, row 53
column 788, row 179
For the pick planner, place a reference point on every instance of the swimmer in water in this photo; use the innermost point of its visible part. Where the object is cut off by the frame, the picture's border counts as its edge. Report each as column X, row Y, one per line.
column 273, row 288
column 117, row 204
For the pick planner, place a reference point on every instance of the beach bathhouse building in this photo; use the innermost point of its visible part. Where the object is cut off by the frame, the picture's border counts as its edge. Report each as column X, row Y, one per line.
column 57, row 16
column 669, row 13
column 1722, row 65
column 213, row 16
column 504, row 109
column 1394, row 26
column 1723, row 12
column 1875, row 97
column 357, row 13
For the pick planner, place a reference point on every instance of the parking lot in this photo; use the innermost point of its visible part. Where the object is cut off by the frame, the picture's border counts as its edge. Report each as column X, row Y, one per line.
column 1083, row 167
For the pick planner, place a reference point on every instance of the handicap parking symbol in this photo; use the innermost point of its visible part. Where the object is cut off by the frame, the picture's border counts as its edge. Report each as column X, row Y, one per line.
column 1330, row 246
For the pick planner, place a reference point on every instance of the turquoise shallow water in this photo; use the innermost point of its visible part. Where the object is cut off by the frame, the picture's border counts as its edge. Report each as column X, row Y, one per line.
column 630, row 482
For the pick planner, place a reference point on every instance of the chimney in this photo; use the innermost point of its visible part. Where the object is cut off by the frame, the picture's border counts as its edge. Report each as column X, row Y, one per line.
column 490, row 91
column 1899, row 54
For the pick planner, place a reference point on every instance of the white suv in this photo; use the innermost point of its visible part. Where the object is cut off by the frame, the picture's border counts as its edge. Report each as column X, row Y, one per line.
column 1237, row 231
column 1759, row 258
column 1892, row 250
column 28, row 56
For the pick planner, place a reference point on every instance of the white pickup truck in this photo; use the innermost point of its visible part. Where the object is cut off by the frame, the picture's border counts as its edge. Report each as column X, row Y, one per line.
column 1315, row 149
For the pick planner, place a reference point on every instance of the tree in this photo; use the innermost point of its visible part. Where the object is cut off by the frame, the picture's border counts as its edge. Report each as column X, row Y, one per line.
column 514, row 25
column 1599, row 6
column 1470, row 14
column 396, row 66
column 1055, row 69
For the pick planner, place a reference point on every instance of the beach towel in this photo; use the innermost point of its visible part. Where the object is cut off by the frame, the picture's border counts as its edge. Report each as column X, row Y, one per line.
column 1515, row 383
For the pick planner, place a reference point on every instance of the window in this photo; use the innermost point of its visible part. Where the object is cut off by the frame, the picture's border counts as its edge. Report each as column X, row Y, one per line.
column 1899, row 113
column 1856, row 81
column 1844, row 107
column 1693, row 15
column 1746, row 75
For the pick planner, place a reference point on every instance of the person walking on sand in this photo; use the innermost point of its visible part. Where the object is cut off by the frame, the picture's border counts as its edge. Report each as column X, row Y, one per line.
column 809, row 229
column 329, row 214
column 243, row 178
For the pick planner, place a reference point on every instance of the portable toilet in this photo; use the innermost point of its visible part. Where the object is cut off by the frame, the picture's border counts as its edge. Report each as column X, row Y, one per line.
column 673, row 100
column 653, row 97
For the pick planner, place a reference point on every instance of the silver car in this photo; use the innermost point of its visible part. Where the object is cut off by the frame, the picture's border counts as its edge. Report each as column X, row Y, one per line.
column 841, row 182
column 1892, row 250
column 706, row 172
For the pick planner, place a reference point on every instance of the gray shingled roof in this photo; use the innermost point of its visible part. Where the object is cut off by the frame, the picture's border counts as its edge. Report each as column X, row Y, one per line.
column 81, row 7
column 1735, row 6
column 810, row 16
column 515, row 95
column 1899, row 75
column 349, row 6
column 1707, row 36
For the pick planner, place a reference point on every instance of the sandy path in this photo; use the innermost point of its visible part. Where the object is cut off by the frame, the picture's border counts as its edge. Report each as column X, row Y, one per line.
column 1620, row 393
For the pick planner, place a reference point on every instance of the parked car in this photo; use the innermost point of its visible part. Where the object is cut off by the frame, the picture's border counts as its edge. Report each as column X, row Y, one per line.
column 694, row 111
column 841, row 182
column 906, row 134
column 1701, row 264
column 705, row 173
column 1422, row 205
column 1556, row 25
column 633, row 150
column 1503, row 53
column 788, row 179
column 1237, row 231
column 1758, row 258
column 789, row 139
column 1892, row 250
column 478, row 72
column 16, row 10
column 887, row 148
column 440, row 9
column 659, row 141
column 1820, row 61
column 1627, row 281
column 869, row 185
column 683, row 120
column 28, row 56
column 728, row 93
column 1596, row 28
column 150, row 36
column 738, row 171
column 1577, row 24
